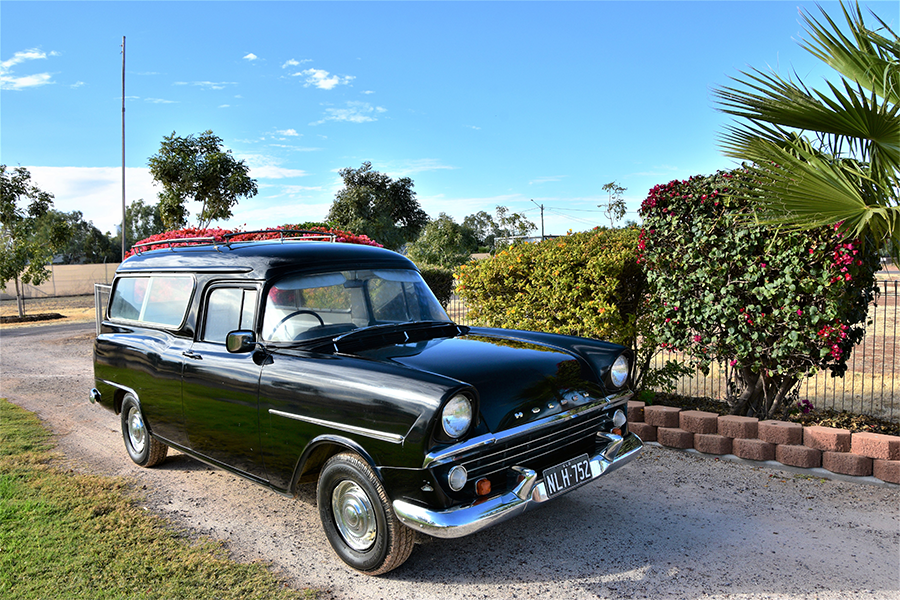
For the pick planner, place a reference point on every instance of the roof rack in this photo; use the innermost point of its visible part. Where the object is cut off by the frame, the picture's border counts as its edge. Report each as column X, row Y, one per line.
column 284, row 235
column 139, row 248
column 308, row 235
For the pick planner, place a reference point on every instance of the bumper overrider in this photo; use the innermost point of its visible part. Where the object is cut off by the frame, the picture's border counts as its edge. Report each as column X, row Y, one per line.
column 530, row 493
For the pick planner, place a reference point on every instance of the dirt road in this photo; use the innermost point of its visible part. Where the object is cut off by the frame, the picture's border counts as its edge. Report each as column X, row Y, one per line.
column 669, row 525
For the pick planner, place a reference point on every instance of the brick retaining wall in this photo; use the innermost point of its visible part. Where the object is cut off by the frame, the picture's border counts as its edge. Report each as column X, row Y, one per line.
column 792, row 444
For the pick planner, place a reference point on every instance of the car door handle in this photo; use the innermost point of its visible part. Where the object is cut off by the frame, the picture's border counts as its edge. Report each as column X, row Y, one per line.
column 192, row 354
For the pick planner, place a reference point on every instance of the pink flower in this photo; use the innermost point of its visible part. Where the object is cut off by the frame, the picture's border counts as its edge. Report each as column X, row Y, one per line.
column 799, row 312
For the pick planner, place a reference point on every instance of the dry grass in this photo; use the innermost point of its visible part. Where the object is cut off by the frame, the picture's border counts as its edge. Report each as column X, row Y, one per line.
column 75, row 309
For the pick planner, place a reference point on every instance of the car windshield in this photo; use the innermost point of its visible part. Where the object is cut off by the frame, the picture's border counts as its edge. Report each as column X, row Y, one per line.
column 302, row 307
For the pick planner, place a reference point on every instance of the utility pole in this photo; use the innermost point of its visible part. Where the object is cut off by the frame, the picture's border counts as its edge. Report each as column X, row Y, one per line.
column 123, row 148
column 541, row 206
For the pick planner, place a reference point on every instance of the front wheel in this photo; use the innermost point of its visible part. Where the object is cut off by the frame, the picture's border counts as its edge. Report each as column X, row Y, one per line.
column 142, row 448
column 358, row 519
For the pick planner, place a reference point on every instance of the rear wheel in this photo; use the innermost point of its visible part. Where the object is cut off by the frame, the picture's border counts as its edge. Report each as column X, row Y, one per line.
column 142, row 448
column 358, row 519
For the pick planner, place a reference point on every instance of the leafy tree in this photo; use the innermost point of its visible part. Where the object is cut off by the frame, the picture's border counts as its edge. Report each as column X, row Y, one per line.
column 84, row 243
column 373, row 204
column 614, row 208
column 444, row 243
column 507, row 224
column 141, row 221
column 24, row 257
column 826, row 158
column 197, row 168
column 774, row 306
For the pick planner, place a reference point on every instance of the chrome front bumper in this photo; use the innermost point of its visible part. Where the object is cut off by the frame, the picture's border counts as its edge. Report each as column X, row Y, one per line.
column 460, row 521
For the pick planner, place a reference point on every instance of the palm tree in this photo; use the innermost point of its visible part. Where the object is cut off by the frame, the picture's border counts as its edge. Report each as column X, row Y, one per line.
column 826, row 158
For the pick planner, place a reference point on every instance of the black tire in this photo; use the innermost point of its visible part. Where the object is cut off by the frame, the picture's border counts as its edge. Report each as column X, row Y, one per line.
column 143, row 449
column 365, row 533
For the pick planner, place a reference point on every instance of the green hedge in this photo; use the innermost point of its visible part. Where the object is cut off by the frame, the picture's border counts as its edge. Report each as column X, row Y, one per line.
column 440, row 280
column 586, row 284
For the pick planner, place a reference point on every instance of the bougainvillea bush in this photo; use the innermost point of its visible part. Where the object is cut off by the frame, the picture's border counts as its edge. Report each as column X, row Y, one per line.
column 586, row 284
column 218, row 234
column 772, row 305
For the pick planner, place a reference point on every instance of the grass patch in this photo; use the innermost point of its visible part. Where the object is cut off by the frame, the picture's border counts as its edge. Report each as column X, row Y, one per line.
column 65, row 535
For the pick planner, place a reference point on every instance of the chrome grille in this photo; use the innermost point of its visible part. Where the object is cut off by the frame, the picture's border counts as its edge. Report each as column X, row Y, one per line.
column 533, row 448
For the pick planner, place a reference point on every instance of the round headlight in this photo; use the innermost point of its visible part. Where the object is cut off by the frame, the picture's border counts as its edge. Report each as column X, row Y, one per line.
column 619, row 372
column 457, row 478
column 456, row 416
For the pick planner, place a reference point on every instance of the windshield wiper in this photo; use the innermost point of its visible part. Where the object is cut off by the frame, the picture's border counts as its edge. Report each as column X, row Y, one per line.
column 386, row 334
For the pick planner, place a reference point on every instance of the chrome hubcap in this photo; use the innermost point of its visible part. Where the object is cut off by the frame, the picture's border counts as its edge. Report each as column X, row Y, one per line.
column 354, row 515
column 137, row 434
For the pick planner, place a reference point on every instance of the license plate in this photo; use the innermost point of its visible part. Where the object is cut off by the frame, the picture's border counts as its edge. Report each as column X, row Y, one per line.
column 567, row 475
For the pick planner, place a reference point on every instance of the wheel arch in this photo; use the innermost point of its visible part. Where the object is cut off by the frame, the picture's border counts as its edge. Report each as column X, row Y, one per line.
column 317, row 453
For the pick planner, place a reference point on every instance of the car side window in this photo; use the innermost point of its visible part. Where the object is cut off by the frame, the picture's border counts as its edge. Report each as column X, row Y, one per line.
column 155, row 300
column 228, row 309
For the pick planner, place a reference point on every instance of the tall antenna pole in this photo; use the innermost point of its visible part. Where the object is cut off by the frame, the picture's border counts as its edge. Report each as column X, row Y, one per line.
column 541, row 206
column 123, row 148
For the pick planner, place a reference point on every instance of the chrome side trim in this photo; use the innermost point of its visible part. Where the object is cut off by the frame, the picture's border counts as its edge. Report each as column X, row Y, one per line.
column 530, row 493
column 371, row 433
column 448, row 455
column 121, row 387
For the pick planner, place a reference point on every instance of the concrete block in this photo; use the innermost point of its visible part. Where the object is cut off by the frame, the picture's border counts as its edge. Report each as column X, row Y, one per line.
column 798, row 456
column 711, row 443
column 827, row 439
column 643, row 431
column 636, row 411
column 738, row 427
column 661, row 416
column 886, row 470
column 675, row 438
column 698, row 421
column 876, row 445
column 847, row 463
column 753, row 449
column 781, row 432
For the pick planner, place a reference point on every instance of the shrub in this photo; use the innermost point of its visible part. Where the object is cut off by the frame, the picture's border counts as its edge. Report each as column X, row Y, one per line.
column 440, row 280
column 586, row 284
column 271, row 234
column 773, row 305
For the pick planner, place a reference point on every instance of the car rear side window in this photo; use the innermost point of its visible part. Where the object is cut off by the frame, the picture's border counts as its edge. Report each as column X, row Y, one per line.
column 155, row 300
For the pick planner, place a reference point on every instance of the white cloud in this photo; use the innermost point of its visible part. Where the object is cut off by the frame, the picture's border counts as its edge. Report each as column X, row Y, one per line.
column 414, row 166
column 160, row 101
column 295, row 63
column 251, row 57
column 275, row 172
column 549, row 179
column 11, row 82
column 288, row 132
column 95, row 191
column 323, row 79
column 214, row 85
column 77, row 84
column 355, row 112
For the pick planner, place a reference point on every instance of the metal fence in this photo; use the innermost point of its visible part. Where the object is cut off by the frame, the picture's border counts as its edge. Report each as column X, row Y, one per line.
column 871, row 385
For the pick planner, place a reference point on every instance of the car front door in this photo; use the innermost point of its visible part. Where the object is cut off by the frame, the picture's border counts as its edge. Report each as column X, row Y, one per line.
column 220, row 389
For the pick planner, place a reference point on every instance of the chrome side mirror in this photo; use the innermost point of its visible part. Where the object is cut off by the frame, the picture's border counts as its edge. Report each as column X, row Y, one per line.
column 238, row 342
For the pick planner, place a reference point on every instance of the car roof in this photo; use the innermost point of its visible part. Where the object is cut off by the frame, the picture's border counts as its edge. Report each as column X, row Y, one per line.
column 264, row 259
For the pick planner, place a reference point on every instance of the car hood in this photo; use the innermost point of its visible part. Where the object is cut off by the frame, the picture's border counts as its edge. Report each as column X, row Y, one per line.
column 517, row 382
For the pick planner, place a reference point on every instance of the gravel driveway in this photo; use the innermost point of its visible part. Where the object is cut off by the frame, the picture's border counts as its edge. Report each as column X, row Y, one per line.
column 669, row 525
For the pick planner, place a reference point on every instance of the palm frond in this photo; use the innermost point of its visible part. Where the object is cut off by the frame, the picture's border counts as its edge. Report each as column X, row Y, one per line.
column 871, row 59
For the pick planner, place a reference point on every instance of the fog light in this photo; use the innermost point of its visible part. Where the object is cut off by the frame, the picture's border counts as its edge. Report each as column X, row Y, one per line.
column 483, row 487
column 619, row 418
column 457, row 478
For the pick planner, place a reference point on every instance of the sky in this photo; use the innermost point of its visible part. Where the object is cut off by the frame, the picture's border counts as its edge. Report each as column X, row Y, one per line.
column 518, row 104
